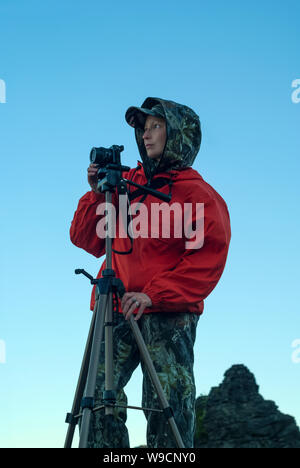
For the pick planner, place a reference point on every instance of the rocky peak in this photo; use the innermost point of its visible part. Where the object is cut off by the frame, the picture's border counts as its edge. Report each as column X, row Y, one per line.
column 238, row 386
column 235, row 415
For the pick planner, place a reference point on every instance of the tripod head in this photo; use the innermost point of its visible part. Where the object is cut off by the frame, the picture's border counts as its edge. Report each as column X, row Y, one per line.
column 106, row 283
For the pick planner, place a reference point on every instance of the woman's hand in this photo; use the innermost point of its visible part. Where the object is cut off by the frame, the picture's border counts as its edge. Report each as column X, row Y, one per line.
column 133, row 300
column 92, row 176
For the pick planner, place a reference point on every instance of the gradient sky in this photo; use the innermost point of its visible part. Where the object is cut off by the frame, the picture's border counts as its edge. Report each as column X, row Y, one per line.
column 71, row 70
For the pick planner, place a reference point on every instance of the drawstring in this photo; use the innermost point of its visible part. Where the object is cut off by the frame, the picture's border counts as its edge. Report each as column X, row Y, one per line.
column 138, row 167
column 170, row 187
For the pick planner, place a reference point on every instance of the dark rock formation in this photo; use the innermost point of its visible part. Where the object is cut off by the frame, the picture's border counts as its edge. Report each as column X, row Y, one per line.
column 235, row 415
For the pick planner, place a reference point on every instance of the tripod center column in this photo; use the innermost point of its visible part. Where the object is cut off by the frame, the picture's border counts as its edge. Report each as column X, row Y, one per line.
column 109, row 363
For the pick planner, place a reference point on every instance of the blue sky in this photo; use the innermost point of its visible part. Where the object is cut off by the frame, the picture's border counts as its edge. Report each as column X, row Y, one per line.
column 71, row 70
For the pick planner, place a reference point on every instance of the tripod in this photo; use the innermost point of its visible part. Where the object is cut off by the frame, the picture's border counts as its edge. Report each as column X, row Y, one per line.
column 106, row 287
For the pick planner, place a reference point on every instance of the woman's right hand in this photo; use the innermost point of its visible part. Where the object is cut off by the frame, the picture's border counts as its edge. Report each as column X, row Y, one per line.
column 92, row 176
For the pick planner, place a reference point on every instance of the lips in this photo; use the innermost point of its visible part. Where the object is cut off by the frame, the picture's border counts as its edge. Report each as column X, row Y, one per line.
column 147, row 146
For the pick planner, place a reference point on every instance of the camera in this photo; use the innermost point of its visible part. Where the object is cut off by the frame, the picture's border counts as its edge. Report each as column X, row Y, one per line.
column 105, row 156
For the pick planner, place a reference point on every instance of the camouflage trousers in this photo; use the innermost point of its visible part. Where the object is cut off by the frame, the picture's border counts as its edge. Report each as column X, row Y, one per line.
column 169, row 338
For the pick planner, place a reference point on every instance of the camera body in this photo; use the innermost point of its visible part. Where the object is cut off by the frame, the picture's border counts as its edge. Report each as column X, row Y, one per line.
column 109, row 162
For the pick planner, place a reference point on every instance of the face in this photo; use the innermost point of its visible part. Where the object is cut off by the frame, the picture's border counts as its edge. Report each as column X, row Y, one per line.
column 155, row 136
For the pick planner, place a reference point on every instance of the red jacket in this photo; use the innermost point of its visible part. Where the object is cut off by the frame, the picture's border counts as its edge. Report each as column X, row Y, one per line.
column 175, row 278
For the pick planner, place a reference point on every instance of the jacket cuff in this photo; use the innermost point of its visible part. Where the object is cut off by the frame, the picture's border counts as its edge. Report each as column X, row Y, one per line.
column 155, row 298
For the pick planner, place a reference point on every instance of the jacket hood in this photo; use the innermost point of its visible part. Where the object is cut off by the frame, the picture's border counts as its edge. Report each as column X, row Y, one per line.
column 183, row 137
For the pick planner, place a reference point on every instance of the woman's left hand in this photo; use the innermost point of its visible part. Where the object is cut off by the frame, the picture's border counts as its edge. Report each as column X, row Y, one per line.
column 132, row 301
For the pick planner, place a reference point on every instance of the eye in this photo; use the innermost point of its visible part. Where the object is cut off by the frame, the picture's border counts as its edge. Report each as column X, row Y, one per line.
column 157, row 125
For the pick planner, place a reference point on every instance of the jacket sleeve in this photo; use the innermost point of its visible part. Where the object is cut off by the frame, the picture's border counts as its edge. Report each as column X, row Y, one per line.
column 199, row 270
column 83, row 231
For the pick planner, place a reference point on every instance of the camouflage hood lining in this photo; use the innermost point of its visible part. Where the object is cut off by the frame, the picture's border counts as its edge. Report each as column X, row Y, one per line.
column 183, row 137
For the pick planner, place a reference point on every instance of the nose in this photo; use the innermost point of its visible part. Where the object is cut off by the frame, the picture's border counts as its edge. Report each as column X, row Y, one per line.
column 146, row 133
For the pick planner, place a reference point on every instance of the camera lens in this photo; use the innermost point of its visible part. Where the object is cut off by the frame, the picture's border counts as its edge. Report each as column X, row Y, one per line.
column 93, row 155
column 104, row 156
column 101, row 156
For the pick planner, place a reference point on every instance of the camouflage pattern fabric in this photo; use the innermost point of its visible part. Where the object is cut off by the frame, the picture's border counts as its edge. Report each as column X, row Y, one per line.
column 170, row 339
column 183, row 137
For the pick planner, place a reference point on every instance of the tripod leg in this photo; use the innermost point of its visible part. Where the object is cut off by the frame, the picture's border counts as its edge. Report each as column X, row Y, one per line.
column 109, row 352
column 92, row 372
column 80, row 385
column 155, row 380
